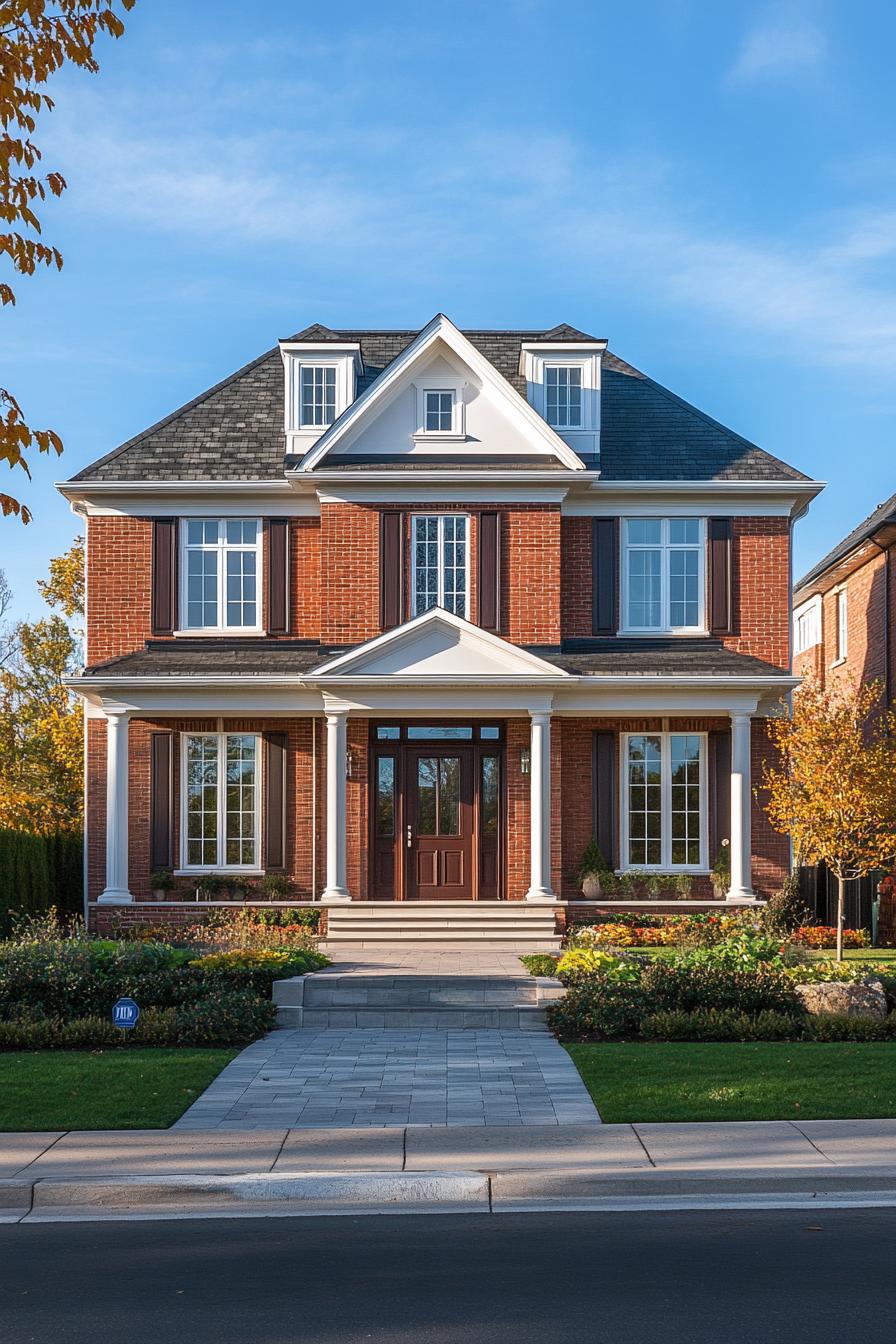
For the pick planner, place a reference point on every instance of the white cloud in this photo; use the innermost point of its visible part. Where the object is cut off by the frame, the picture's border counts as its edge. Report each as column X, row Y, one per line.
column 780, row 46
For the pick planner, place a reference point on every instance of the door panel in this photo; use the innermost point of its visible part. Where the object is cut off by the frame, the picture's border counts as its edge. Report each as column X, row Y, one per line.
column 440, row 824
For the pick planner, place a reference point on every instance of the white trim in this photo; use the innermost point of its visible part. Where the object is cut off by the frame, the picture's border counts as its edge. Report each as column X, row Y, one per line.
column 220, row 549
column 421, row 491
column 440, row 551
column 220, row 737
column 531, row 425
column 666, row 865
column 812, row 608
column 666, row 547
column 841, row 598
column 437, row 386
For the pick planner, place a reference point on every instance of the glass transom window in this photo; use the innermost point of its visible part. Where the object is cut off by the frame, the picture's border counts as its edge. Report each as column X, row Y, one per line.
column 439, row 564
column 318, row 394
column 663, row 574
column 220, row 800
column 663, row 800
column 438, row 412
column 563, row 396
column 221, row 573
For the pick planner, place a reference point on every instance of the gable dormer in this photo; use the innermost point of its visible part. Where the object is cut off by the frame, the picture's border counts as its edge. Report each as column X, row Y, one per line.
column 321, row 374
column 562, row 369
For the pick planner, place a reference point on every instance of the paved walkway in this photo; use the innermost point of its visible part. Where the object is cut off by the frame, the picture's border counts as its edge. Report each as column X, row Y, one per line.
column 438, row 959
column 331, row 1078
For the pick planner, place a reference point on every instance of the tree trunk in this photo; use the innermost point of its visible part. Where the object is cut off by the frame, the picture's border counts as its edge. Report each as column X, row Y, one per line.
column 841, row 903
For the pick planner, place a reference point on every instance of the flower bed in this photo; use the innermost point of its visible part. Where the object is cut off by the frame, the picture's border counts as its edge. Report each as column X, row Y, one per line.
column 689, row 930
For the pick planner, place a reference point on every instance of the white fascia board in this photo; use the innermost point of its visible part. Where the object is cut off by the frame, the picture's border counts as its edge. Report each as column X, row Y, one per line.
column 98, row 499
column 442, row 494
column 442, row 328
column 603, row 498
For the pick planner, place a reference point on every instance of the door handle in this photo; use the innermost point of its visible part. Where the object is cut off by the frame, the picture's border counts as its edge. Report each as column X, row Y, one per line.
column 410, row 837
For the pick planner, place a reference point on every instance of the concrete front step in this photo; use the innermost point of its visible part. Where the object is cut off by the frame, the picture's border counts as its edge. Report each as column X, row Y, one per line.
column 511, row 943
column 456, row 1018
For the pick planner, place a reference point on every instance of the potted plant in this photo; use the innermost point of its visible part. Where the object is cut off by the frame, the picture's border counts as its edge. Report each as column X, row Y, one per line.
column 161, row 882
column 240, row 888
column 721, row 871
column 591, row 869
column 209, row 887
column 276, row 886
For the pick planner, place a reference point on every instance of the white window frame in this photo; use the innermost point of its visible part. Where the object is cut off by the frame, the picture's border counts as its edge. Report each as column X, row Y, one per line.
column 666, row 547
column 841, row 597
column 221, row 548
column 575, row 366
column 346, row 367
column 439, row 392
column 441, row 543
column 245, row 870
column 810, row 614
column 666, row 865
column 322, row 369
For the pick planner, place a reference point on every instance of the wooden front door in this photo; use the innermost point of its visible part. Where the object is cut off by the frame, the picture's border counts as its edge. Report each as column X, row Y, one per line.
column 439, row 831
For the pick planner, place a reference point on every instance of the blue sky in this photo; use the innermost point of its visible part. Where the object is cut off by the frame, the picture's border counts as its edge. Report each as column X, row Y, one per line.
column 711, row 186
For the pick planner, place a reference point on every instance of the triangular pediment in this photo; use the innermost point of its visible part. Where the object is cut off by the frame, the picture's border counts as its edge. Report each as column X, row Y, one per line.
column 439, row 644
column 492, row 419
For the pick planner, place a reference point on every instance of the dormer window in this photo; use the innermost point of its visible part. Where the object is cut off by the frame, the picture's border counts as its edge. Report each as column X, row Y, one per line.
column 563, row 396
column 318, row 395
column 439, row 412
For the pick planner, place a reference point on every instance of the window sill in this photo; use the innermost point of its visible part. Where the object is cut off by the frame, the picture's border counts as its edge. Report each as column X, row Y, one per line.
column 663, row 634
column 438, row 436
column 226, row 632
column 662, row 872
column 218, row 872
column 838, row 662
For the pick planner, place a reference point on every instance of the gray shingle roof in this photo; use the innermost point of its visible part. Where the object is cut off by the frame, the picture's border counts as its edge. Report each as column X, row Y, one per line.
column 233, row 431
column 883, row 515
column 180, row 658
column 659, row 657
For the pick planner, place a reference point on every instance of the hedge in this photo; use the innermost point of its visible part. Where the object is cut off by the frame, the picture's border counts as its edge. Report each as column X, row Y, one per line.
column 40, row 871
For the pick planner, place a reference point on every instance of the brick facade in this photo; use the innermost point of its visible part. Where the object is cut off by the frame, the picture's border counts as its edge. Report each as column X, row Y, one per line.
column 871, row 620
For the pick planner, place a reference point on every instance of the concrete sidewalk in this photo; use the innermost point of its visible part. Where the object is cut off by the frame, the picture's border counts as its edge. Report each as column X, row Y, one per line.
column 176, row 1173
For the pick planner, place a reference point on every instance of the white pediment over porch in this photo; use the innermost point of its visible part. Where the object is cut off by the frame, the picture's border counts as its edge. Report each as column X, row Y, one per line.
column 442, row 646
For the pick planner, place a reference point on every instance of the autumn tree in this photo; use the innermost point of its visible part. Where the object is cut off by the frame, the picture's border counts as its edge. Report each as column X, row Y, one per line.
column 832, row 788
column 41, row 727
column 37, row 39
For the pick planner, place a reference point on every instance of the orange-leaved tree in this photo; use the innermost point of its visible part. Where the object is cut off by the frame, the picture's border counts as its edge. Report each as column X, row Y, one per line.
column 37, row 38
column 832, row 788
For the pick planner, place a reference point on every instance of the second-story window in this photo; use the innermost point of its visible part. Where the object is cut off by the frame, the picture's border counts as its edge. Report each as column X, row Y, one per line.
column 318, row 394
column 563, row 396
column 439, row 565
column 221, row 571
column 662, row 574
column 842, row 625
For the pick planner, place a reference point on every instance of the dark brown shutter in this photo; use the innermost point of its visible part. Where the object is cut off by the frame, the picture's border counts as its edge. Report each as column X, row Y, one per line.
column 604, row 575
column 490, row 571
column 721, row 614
column 391, row 570
column 278, row 576
column 160, row 798
column 164, row 576
column 604, row 793
column 719, row 790
column 275, row 800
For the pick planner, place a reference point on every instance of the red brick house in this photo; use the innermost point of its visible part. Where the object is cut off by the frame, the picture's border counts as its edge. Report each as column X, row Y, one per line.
column 844, row 617
column 407, row 617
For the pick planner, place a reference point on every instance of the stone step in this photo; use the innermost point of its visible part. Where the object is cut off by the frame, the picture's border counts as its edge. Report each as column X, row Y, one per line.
column 451, row 1018
column 355, row 991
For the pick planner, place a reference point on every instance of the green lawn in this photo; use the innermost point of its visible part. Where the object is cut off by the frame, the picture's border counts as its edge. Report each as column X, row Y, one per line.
column 767, row 1081
column 103, row 1089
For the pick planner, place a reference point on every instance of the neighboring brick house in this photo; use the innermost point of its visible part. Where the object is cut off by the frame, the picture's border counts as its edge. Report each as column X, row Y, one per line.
column 844, row 617
column 409, row 616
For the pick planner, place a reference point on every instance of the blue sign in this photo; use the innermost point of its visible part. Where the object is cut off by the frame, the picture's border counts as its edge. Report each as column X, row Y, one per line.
column 125, row 1013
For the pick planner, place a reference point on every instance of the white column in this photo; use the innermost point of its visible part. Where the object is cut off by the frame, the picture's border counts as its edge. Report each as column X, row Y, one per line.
column 116, row 889
column 741, row 824
column 336, row 891
column 540, row 808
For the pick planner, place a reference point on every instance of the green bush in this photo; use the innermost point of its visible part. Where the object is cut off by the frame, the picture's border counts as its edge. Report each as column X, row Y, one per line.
column 227, row 1017
column 255, row 970
column 39, row 872
column 832, row 1027
column 598, row 1009
column 286, row 919
column 540, row 963
column 725, row 1024
column 689, row 986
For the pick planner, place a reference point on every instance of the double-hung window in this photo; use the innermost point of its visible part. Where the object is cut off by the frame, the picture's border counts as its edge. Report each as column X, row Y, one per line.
column 806, row 627
column 563, row 396
column 842, row 625
column 440, row 563
column 318, row 394
column 220, row 793
column 664, row 804
column 663, row 574
column 221, row 573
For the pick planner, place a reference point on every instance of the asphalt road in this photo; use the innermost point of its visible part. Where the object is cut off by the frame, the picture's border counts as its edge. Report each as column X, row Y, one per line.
column 443, row 1279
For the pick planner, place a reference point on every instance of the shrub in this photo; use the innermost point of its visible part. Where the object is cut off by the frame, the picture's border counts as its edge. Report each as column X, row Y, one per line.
column 742, row 950
column 819, row 937
column 287, row 919
column 726, row 1024
column 275, row 886
column 691, row 986
column 225, row 1017
column 598, row 1009
column 832, row 1027
column 588, row 962
column 540, row 963
column 232, row 930
column 786, row 910
column 39, row 873
column 255, row 970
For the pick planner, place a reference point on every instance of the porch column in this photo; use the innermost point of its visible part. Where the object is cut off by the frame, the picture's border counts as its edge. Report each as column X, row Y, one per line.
column 116, row 890
column 336, row 891
column 741, row 823
column 540, row 807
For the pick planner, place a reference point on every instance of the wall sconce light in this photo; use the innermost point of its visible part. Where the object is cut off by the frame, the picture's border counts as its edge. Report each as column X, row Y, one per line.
column 525, row 761
column 349, row 762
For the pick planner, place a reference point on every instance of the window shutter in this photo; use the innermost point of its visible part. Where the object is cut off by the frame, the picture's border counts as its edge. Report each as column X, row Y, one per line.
column 721, row 614
column 160, row 800
column 604, row 575
column 719, row 790
column 490, row 571
column 604, row 789
column 274, row 801
column 278, row 576
column 164, row 576
column 391, row 570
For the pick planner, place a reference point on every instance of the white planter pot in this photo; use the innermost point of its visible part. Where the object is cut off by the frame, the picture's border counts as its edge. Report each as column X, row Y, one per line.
column 591, row 887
